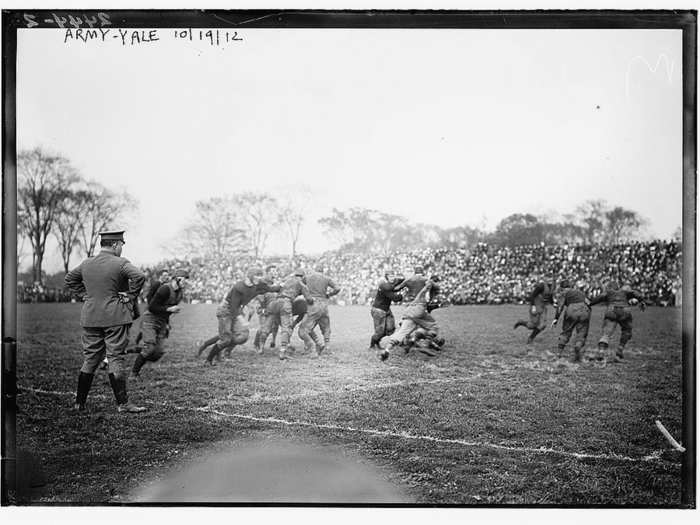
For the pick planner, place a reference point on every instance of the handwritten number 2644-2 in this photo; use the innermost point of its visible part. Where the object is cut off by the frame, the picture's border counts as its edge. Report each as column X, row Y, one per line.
column 75, row 21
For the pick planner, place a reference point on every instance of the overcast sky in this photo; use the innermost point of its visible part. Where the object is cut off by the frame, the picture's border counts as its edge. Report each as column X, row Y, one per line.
column 483, row 122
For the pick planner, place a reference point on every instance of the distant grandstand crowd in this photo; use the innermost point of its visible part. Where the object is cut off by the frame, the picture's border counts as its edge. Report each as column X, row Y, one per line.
column 485, row 274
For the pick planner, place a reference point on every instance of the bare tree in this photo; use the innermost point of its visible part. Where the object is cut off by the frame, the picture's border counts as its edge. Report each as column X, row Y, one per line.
column 261, row 214
column 69, row 220
column 217, row 230
column 294, row 213
column 591, row 216
column 622, row 225
column 103, row 209
column 44, row 179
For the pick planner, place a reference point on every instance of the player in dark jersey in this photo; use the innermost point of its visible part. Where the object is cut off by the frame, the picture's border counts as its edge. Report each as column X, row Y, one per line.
column 155, row 322
column 382, row 316
column 618, row 313
column 233, row 329
column 577, row 316
column 540, row 297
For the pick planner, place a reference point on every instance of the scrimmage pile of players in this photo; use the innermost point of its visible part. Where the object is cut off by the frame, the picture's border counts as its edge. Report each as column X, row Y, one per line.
column 301, row 299
column 110, row 285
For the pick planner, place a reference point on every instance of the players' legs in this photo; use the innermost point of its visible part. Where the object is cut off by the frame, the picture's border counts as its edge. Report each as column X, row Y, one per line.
column 566, row 330
column 380, row 320
column 285, row 326
column 306, row 327
column 580, row 336
column 405, row 328
column 609, row 325
column 324, row 322
column 625, row 321
column 536, row 324
column 224, row 340
column 203, row 346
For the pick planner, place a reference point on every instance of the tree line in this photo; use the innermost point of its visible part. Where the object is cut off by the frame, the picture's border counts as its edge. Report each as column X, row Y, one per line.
column 55, row 200
column 593, row 222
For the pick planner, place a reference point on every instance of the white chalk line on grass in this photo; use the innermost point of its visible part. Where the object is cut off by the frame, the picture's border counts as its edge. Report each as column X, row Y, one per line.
column 655, row 456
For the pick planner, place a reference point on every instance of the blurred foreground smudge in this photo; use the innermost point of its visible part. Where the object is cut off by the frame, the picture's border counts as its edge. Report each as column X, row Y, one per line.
column 272, row 472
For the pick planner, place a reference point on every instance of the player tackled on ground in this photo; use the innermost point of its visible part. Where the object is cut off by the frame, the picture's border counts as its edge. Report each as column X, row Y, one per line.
column 577, row 317
column 416, row 316
column 618, row 313
column 540, row 297
column 155, row 323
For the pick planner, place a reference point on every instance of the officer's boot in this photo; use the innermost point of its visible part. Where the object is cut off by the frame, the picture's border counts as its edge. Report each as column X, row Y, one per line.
column 119, row 389
column 138, row 364
column 84, row 384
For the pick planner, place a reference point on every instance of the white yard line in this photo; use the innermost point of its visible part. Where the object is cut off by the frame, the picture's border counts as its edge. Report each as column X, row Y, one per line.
column 655, row 456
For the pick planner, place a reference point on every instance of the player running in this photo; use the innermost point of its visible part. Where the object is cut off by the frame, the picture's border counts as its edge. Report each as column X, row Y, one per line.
column 618, row 313
column 233, row 329
column 155, row 323
column 577, row 316
column 540, row 297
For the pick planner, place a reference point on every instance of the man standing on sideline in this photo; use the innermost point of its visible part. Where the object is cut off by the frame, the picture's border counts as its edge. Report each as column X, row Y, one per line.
column 540, row 297
column 382, row 316
column 321, row 288
column 110, row 285
column 155, row 323
column 577, row 317
column 292, row 287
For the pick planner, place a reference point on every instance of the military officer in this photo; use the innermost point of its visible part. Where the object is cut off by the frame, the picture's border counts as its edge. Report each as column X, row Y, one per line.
column 110, row 285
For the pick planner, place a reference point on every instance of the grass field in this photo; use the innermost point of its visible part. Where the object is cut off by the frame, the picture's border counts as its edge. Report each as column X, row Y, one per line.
column 482, row 423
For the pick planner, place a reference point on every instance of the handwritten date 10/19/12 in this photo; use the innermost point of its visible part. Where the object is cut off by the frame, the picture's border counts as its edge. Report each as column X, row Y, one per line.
column 214, row 37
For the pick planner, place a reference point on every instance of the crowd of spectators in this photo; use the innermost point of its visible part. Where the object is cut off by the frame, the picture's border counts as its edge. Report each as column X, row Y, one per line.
column 485, row 274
